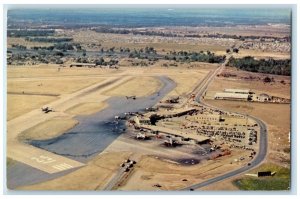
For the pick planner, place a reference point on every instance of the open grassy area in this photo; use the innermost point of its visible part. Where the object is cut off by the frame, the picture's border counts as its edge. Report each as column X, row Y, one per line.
column 51, row 70
column 185, row 83
column 280, row 181
column 19, row 104
column 54, row 86
column 138, row 86
column 58, row 125
column 86, row 108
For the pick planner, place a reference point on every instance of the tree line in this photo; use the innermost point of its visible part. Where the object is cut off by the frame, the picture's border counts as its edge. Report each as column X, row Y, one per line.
column 270, row 66
column 31, row 33
column 49, row 39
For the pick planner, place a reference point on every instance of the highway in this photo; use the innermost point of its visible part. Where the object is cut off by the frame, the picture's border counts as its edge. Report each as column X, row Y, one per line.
column 263, row 139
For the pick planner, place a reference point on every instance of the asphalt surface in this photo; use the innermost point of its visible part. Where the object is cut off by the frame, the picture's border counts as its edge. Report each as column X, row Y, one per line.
column 263, row 141
column 97, row 131
column 90, row 137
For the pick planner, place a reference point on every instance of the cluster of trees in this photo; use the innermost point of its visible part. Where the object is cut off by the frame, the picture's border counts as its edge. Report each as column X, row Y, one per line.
column 40, row 57
column 145, row 53
column 184, row 56
column 171, row 64
column 271, row 66
column 18, row 46
column 59, row 46
column 250, row 37
column 125, row 50
column 180, row 56
column 235, row 50
column 102, row 62
column 167, row 34
column 49, row 39
column 30, row 33
column 142, row 63
column 134, row 32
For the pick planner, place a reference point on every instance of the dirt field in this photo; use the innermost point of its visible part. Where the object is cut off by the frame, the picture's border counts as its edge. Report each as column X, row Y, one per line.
column 185, row 83
column 51, row 70
column 170, row 176
column 225, row 185
column 257, row 85
column 58, row 125
column 138, row 86
column 93, row 176
column 137, row 41
column 20, row 104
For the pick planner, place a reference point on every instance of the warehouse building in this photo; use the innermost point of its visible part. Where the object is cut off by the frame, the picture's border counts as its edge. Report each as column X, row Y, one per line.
column 206, row 118
column 232, row 96
column 238, row 91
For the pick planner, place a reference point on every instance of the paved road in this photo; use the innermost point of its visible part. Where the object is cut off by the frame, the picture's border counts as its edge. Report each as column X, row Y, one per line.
column 263, row 141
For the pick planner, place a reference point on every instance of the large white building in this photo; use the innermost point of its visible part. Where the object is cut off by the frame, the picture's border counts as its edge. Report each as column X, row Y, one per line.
column 240, row 91
column 231, row 96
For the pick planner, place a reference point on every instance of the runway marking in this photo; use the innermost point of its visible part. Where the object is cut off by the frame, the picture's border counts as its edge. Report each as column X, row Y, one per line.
column 67, row 165
column 43, row 159
column 58, row 167
column 63, row 166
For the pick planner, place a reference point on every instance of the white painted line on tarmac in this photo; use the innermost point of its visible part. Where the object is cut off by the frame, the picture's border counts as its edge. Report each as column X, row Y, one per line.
column 67, row 165
column 58, row 167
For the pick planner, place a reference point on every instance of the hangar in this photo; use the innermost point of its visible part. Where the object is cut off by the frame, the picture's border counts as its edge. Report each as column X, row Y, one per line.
column 231, row 96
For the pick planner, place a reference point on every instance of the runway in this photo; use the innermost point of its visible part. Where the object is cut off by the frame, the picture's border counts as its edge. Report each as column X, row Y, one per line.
column 78, row 145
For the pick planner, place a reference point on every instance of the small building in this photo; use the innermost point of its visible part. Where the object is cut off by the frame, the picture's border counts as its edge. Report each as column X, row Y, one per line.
column 263, row 97
column 206, row 118
column 232, row 96
column 83, row 65
column 240, row 91
column 145, row 121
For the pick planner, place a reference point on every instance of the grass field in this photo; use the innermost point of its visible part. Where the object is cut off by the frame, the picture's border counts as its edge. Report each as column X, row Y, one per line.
column 54, row 86
column 51, row 70
column 185, row 83
column 86, row 108
column 138, row 86
column 19, row 104
column 280, row 181
column 57, row 125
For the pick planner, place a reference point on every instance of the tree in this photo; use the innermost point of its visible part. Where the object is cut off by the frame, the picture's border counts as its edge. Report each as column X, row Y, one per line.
column 267, row 79
column 235, row 50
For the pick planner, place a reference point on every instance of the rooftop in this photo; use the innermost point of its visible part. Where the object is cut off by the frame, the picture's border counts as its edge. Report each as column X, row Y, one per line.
column 232, row 90
column 232, row 95
column 185, row 134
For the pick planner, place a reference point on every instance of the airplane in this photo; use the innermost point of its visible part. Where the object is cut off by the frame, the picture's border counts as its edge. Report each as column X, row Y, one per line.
column 47, row 109
column 131, row 97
